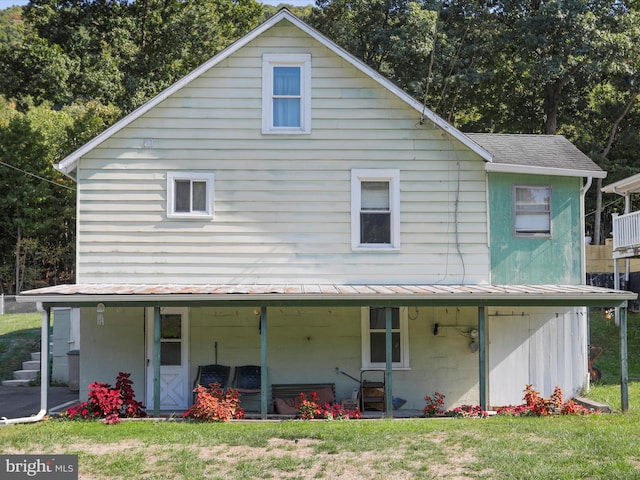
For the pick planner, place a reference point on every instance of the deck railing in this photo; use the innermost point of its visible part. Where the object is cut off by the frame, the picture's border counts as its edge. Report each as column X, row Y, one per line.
column 626, row 231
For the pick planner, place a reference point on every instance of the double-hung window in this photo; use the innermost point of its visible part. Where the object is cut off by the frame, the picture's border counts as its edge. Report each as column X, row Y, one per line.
column 374, row 337
column 286, row 93
column 532, row 210
column 375, row 209
column 189, row 194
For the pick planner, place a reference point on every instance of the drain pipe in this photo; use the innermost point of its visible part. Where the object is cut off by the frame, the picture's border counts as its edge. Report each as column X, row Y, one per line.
column 44, row 374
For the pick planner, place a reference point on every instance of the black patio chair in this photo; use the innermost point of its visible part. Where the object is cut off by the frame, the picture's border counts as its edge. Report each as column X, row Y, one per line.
column 248, row 379
column 208, row 374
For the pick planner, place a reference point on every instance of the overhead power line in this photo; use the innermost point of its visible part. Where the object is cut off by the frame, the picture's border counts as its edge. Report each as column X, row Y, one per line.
column 37, row 176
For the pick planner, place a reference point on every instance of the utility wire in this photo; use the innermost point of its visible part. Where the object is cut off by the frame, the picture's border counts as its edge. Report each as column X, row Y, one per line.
column 36, row 176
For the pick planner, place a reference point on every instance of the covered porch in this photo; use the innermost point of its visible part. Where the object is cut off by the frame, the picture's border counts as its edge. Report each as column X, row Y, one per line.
column 263, row 299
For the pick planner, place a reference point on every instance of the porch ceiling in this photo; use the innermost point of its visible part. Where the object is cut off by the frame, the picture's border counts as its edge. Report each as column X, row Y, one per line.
column 323, row 295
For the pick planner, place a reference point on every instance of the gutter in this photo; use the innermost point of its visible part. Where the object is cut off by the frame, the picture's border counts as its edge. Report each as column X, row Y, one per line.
column 44, row 374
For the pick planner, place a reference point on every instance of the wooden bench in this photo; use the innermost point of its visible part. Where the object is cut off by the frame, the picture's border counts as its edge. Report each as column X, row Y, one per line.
column 285, row 396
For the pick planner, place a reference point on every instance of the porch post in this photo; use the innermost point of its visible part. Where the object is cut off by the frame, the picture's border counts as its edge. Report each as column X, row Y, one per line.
column 624, row 366
column 388, row 382
column 263, row 363
column 482, row 357
column 44, row 358
column 156, row 362
column 616, row 286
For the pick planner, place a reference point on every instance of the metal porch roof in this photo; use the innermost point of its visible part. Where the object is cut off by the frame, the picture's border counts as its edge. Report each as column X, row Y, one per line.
column 325, row 294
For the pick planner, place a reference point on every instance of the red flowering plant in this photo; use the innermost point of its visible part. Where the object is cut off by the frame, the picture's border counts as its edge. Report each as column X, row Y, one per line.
column 310, row 408
column 467, row 411
column 434, row 406
column 538, row 406
column 213, row 404
column 110, row 404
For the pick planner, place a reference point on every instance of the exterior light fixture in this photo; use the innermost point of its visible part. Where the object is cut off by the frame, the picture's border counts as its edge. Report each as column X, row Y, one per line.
column 100, row 313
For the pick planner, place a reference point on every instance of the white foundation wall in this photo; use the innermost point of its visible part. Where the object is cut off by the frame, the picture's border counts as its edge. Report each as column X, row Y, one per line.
column 544, row 347
column 314, row 345
column 117, row 346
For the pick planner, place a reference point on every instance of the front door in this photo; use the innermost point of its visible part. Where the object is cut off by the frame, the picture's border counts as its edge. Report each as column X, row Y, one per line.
column 174, row 358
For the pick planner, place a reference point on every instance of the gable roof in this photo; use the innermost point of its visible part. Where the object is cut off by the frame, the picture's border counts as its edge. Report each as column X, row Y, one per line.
column 69, row 164
column 536, row 154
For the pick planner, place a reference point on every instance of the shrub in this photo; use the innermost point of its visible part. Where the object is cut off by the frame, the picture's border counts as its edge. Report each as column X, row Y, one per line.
column 110, row 404
column 213, row 404
column 536, row 405
column 435, row 407
column 310, row 408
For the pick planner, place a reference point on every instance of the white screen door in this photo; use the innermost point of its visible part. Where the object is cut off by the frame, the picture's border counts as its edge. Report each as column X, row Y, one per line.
column 174, row 358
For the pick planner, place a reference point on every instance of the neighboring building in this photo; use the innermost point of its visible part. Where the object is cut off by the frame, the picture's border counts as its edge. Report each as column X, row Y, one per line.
column 286, row 206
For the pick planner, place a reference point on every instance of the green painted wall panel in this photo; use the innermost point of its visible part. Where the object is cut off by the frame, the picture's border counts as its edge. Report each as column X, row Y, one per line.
column 517, row 260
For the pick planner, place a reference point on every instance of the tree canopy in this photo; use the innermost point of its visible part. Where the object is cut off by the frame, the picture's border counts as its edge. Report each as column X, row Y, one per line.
column 70, row 68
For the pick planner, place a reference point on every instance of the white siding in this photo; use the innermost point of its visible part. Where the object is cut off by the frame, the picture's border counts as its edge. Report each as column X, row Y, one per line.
column 282, row 202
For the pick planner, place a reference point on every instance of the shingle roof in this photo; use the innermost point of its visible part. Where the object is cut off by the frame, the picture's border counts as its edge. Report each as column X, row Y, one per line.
column 547, row 152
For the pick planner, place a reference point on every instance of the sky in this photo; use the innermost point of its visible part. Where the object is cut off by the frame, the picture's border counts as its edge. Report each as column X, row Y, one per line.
column 296, row 3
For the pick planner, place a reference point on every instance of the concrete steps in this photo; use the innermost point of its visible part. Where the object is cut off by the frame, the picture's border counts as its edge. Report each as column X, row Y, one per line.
column 29, row 372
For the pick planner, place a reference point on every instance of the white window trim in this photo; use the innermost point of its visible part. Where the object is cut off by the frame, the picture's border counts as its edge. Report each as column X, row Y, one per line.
column 171, row 182
column 269, row 61
column 393, row 177
column 367, row 364
column 523, row 234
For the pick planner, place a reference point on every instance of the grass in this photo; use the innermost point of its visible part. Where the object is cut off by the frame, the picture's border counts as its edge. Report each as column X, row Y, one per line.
column 19, row 336
column 594, row 447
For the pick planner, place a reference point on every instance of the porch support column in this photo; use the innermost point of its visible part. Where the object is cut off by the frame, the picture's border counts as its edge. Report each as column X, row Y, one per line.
column 263, row 363
column 616, row 286
column 482, row 357
column 44, row 358
column 156, row 362
column 624, row 365
column 388, row 382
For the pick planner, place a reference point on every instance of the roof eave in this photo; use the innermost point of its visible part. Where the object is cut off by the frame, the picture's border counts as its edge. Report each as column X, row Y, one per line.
column 625, row 186
column 608, row 299
column 533, row 170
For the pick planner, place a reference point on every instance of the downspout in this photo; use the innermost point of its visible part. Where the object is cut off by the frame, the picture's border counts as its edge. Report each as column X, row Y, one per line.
column 44, row 373
column 583, row 193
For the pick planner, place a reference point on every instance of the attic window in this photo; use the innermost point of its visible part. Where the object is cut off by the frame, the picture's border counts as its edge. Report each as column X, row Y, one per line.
column 286, row 93
column 189, row 195
column 532, row 211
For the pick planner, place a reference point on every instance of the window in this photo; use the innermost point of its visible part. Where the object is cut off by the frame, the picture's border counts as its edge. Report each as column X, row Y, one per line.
column 374, row 321
column 375, row 209
column 189, row 194
column 286, row 93
column 532, row 211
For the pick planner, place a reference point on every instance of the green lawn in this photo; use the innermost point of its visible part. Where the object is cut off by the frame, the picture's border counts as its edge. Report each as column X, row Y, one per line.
column 594, row 447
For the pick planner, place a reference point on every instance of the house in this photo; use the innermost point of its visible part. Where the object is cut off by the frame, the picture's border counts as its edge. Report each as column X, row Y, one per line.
column 286, row 206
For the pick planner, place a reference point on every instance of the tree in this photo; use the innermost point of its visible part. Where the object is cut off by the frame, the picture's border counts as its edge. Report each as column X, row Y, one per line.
column 394, row 37
column 37, row 213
